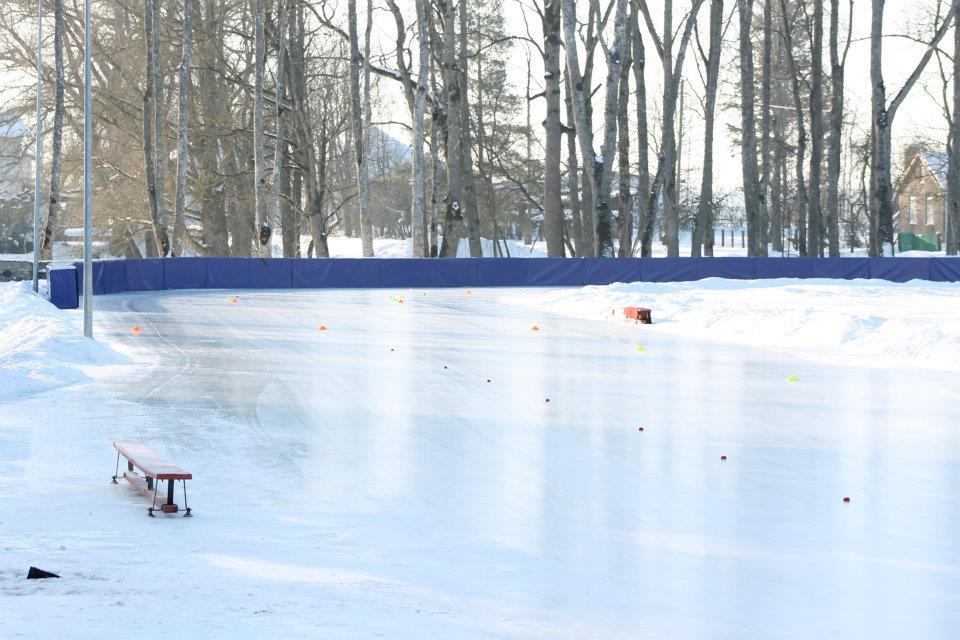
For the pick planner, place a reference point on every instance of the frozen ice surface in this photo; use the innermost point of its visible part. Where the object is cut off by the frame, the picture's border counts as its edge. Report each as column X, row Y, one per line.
column 347, row 485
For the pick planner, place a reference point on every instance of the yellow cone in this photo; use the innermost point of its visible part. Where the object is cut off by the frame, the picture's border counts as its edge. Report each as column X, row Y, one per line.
column 640, row 348
column 793, row 379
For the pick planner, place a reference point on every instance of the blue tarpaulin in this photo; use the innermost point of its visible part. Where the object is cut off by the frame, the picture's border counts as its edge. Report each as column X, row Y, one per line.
column 184, row 273
column 405, row 272
column 145, row 275
column 63, row 288
column 555, row 272
column 899, row 269
column 114, row 276
column 271, row 273
column 455, row 273
column 312, row 273
column 607, row 271
column 356, row 273
column 504, row 272
column 945, row 269
column 669, row 269
column 228, row 273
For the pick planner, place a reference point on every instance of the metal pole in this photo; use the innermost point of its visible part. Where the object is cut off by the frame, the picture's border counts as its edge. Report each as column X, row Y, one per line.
column 87, row 179
column 37, row 155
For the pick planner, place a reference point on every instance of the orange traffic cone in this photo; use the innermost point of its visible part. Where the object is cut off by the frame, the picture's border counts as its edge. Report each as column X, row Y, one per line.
column 322, row 327
column 136, row 330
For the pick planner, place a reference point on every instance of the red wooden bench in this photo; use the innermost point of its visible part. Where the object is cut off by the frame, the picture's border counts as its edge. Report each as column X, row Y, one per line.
column 640, row 314
column 154, row 468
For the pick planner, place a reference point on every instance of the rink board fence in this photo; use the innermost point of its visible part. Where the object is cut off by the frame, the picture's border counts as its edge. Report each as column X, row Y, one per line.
column 158, row 274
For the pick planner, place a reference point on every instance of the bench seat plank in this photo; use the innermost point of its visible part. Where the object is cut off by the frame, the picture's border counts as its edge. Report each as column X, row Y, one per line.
column 150, row 462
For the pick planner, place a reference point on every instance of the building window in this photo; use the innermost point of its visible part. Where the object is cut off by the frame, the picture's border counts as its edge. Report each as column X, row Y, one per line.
column 913, row 209
column 931, row 211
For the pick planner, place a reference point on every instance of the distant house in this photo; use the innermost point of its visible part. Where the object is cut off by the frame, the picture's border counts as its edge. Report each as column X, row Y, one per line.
column 16, row 157
column 921, row 200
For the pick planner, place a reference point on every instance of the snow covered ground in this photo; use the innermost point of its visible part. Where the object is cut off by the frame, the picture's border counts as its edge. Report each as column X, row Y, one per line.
column 39, row 346
column 402, row 475
column 341, row 247
column 870, row 322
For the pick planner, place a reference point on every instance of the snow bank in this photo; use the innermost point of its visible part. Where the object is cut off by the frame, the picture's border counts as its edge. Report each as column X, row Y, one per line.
column 40, row 348
column 913, row 324
column 341, row 247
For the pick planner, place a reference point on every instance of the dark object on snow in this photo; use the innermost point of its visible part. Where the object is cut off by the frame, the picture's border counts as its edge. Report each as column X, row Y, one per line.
column 37, row 574
column 640, row 314
column 265, row 233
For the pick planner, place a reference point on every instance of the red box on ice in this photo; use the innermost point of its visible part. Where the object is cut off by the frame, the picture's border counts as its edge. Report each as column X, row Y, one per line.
column 640, row 314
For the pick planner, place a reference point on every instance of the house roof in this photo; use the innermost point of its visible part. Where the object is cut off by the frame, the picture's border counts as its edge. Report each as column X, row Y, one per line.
column 937, row 162
column 11, row 127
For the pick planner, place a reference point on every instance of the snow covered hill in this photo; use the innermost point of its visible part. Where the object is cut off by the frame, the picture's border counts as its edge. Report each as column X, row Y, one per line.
column 866, row 321
column 40, row 348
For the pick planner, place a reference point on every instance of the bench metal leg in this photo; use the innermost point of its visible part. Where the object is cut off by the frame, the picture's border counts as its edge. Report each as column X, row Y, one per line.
column 185, row 505
column 116, row 471
column 154, row 504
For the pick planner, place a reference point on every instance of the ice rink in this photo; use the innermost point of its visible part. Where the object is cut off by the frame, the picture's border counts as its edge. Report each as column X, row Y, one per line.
column 402, row 475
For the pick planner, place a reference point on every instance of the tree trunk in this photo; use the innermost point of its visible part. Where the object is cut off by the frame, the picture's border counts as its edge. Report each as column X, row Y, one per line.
column 952, row 217
column 160, row 167
column 763, row 227
column 625, row 200
column 705, row 205
column 883, row 116
column 280, row 140
column 604, row 171
column 453, row 219
column 579, row 95
column 470, row 209
column 53, row 209
column 643, row 143
column 552, row 200
column 179, row 226
column 748, row 135
column 363, row 159
column 264, row 231
column 583, row 240
column 814, row 236
column 836, row 131
column 153, row 121
column 803, row 194
column 418, row 212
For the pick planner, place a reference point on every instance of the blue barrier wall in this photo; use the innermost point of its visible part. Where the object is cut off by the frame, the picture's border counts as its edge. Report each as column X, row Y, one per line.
column 157, row 274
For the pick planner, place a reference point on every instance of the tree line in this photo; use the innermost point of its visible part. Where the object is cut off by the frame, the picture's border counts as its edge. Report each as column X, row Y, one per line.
column 246, row 127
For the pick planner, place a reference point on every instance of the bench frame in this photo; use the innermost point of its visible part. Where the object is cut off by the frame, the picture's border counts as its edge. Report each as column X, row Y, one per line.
column 150, row 483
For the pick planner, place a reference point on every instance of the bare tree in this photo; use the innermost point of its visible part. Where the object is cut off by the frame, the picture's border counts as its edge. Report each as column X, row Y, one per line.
column 53, row 209
column 182, row 126
column 552, row 200
column 664, row 183
column 418, row 214
column 280, row 141
column 752, row 189
column 883, row 115
column 153, row 125
column 705, row 204
column 643, row 143
column 952, row 230
column 838, row 63
column 260, row 195
column 814, row 237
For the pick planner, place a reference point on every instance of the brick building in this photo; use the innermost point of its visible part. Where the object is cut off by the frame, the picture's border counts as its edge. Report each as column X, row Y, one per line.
column 921, row 200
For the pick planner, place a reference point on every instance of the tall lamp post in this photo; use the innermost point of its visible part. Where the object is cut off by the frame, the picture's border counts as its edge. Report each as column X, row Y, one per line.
column 87, row 179
column 37, row 154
